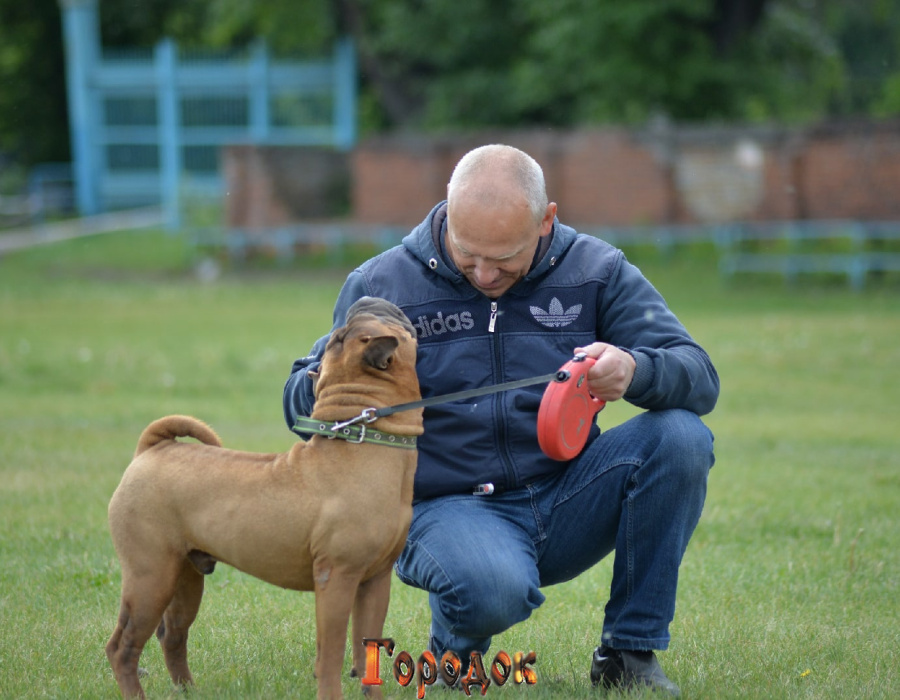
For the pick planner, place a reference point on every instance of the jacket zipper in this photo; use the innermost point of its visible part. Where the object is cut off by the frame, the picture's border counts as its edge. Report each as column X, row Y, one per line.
column 501, row 432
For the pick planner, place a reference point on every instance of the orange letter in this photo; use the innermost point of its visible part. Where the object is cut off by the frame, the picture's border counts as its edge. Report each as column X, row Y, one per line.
column 372, row 659
column 427, row 668
column 521, row 672
column 450, row 667
column 500, row 668
column 404, row 661
column 476, row 675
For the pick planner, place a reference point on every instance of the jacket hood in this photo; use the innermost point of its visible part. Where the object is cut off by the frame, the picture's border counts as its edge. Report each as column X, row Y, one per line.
column 424, row 242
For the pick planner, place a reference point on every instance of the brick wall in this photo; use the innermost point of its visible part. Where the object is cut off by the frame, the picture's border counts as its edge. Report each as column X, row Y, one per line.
column 607, row 176
column 271, row 186
column 615, row 176
column 852, row 175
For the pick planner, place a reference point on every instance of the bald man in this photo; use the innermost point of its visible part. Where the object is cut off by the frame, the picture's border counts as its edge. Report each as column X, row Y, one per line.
column 499, row 290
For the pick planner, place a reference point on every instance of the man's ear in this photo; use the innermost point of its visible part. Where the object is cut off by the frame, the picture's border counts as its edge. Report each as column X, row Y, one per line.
column 379, row 352
column 314, row 375
column 547, row 220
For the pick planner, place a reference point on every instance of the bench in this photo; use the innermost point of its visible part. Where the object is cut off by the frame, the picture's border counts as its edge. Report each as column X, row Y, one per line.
column 284, row 243
column 852, row 249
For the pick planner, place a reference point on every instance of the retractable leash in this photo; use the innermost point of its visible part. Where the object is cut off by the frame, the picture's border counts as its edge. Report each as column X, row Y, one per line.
column 567, row 411
column 565, row 415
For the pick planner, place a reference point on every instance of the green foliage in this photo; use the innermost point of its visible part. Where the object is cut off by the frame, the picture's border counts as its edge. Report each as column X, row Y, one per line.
column 33, row 112
column 791, row 71
column 439, row 65
column 889, row 104
column 289, row 27
column 614, row 62
column 867, row 39
column 444, row 64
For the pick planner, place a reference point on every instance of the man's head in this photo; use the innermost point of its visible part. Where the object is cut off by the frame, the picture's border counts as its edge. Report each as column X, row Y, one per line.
column 497, row 211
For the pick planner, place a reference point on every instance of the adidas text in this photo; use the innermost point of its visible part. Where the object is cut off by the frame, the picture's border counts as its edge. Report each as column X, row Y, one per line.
column 452, row 323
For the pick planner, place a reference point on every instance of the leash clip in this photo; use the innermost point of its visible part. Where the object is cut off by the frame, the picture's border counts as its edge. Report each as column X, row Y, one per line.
column 367, row 415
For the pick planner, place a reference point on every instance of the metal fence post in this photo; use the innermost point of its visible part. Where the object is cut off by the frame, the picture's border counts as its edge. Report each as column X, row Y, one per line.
column 169, row 136
column 82, row 43
column 259, row 93
column 345, row 94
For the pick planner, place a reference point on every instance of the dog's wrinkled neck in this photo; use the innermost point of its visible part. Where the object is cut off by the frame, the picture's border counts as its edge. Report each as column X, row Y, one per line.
column 342, row 402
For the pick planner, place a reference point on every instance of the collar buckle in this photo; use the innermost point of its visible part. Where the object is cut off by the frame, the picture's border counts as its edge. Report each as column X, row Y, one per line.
column 346, row 433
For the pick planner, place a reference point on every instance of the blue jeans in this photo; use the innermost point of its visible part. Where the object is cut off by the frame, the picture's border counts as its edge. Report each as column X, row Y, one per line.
column 638, row 489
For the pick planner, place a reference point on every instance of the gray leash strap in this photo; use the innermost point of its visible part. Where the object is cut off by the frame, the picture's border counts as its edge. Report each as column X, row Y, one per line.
column 559, row 376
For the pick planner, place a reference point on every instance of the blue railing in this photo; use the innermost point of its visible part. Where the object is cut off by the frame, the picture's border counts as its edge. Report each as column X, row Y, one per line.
column 147, row 123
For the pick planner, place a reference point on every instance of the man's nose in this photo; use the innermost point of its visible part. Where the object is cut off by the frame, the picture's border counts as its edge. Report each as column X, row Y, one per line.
column 483, row 272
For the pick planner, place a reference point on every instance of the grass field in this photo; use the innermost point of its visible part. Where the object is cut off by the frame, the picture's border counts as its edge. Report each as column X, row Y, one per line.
column 789, row 589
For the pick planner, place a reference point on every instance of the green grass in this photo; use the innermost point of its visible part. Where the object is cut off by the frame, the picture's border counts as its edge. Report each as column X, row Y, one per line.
column 788, row 590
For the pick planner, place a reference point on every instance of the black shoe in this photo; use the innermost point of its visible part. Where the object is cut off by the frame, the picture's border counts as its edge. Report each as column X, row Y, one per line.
column 613, row 668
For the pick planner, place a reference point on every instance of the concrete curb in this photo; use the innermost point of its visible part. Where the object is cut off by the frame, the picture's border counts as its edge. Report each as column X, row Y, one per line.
column 30, row 237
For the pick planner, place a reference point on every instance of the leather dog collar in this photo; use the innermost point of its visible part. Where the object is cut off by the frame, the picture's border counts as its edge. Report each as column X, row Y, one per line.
column 357, row 433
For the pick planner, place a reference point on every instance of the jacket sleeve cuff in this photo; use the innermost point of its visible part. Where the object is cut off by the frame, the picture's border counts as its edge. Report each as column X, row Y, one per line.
column 642, row 379
column 298, row 398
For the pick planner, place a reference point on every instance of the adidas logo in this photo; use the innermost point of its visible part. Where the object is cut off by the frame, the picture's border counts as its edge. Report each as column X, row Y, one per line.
column 451, row 323
column 555, row 316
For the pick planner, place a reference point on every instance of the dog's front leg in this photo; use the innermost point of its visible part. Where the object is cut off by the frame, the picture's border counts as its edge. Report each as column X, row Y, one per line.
column 369, row 611
column 335, row 593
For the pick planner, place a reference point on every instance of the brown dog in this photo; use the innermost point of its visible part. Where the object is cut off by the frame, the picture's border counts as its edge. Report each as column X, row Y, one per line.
column 330, row 515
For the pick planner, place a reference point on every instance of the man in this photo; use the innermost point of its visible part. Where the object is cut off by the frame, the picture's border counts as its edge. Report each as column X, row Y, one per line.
column 498, row 290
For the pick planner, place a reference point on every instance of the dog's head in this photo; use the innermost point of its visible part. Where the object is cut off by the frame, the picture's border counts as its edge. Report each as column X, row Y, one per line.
column 380, row 308
column 374, row 352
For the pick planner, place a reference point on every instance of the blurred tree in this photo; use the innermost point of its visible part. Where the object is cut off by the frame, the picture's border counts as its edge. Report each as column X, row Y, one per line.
column 441, row 63
column 867, row 36
column 731, row 19
column 435, row 64
column 33, row 112
column 290, row 27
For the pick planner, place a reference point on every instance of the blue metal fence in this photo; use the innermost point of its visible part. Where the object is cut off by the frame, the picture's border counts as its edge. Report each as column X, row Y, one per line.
column 146, row 122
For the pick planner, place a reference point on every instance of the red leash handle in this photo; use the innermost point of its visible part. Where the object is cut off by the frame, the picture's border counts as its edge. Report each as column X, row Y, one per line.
column 567, row 411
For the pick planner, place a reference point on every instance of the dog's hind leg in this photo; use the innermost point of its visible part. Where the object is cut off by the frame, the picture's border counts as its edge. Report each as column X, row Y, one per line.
column 369, row 612
column 177, row 619
column 143, row 603
column 123, row 654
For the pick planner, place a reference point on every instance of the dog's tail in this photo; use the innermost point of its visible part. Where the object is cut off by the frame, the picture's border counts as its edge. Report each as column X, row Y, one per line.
column 172, row 427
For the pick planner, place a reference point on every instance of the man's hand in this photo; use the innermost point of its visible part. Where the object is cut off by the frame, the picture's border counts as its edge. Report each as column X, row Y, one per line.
column 611, row 374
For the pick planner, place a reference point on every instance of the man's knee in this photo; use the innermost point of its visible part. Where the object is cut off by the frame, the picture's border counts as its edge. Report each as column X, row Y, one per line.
column 680, row 441
column 488, row 598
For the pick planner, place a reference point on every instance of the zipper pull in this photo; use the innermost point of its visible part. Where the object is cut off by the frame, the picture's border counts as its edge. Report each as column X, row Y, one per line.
column 493, row 320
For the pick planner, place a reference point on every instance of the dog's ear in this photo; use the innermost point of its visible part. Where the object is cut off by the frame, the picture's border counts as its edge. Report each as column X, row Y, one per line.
column 337, row 337
column 314, row 376
column 379, row 352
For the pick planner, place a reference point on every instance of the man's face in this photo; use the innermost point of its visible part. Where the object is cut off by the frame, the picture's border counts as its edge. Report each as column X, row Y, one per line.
column 493, row 245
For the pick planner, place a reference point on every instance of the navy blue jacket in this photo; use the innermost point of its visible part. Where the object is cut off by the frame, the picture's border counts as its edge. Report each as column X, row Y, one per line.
column 578, row 291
